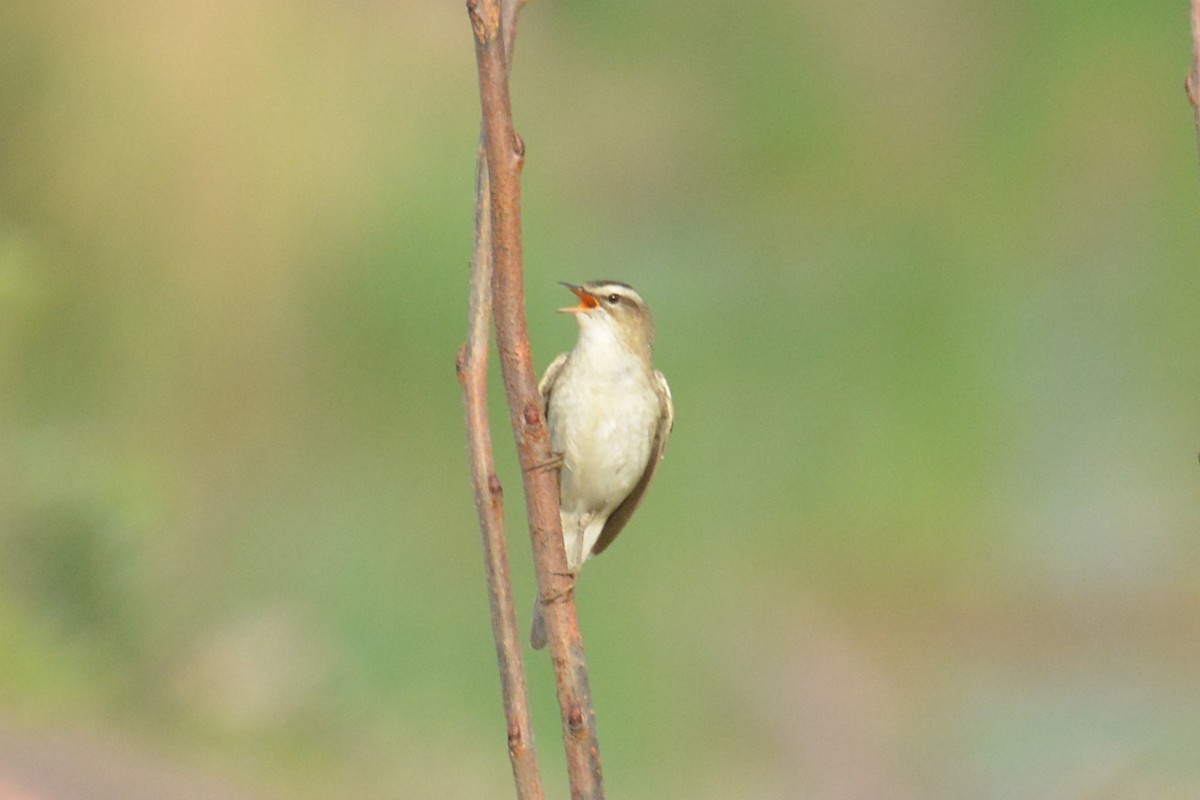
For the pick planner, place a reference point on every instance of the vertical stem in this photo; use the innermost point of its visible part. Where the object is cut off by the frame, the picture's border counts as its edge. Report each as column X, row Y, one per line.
column 505, row 156
column 489, row 498
column 489, row 503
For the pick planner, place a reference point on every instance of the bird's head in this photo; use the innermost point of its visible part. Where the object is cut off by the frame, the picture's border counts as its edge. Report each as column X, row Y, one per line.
column 612, row 308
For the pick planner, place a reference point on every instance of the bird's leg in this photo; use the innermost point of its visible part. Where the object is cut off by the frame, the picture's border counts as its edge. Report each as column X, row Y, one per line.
column 553, row 463
column 558, row 596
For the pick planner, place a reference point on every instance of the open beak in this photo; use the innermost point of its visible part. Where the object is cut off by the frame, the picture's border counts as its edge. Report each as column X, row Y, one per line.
column 587, row 301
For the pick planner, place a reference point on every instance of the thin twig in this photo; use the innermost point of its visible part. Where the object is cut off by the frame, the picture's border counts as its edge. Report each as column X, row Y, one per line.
column 489, row 502
column 505, row 156
column 489, row 498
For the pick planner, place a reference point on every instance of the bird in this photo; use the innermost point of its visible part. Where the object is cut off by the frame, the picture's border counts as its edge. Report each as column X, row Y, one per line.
column 609, row 414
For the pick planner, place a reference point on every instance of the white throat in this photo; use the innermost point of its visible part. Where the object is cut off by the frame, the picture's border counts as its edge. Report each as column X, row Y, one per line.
column 602, row 343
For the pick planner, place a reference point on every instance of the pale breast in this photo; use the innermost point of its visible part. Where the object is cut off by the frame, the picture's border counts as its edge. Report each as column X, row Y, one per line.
column 603, row 423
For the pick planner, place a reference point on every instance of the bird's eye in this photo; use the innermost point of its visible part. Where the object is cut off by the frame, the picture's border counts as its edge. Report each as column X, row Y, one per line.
column 614, row 298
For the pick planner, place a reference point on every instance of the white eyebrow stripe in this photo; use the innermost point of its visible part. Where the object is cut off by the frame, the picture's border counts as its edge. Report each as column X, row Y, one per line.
column 620, row 289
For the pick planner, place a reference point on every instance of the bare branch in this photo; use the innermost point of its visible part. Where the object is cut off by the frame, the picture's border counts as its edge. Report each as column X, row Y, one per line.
column 489, row 498
column 505, row 156
column 489, row 502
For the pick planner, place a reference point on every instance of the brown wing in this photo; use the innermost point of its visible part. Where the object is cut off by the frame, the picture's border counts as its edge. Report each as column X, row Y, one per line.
column 549, row 378
column 616, row 521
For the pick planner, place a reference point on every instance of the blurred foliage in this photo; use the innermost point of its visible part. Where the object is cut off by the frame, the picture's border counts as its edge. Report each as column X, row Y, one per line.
column 926, row 284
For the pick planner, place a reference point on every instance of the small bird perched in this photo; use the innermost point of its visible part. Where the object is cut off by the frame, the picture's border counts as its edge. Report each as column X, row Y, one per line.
column 609, row 412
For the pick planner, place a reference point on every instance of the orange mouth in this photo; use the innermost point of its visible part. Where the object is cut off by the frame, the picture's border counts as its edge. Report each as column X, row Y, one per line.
column 586, row 300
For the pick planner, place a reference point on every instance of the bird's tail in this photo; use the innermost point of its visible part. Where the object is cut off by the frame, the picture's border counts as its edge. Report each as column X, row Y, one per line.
column 537, row 632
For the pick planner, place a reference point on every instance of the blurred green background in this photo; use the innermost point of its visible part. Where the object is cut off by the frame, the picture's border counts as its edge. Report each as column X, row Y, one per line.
column 926, row 283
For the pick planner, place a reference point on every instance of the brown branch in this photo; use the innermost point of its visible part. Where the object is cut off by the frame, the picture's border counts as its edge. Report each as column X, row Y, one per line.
column 1193, row 79
column 489, row 498
column 489, row 502
column 505, row 155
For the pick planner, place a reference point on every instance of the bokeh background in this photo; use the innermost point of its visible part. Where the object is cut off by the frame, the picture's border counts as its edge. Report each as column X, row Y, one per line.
column 926, row 282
